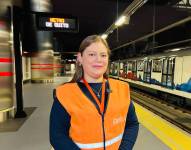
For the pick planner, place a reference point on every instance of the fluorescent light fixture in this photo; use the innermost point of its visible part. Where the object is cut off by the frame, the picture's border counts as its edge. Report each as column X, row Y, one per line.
column 145, row 1
column 121, row 21
column 172, row 55
column 175, row 49
column 146, row 58
column 56, row 52
column 104, row 36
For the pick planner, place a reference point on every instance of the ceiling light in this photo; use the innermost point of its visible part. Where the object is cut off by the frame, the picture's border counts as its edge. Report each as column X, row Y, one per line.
column 104, row 36
column 172, row 55
column 121, row 20
column 175, row 49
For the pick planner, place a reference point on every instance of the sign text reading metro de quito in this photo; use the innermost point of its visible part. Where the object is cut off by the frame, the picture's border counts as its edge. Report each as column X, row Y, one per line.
column 57, row 23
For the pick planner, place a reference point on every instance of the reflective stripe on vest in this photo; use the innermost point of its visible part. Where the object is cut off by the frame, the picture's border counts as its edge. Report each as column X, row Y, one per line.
column 100, row 144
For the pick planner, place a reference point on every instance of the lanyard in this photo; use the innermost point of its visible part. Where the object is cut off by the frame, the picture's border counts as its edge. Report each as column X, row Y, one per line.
column 101, row 105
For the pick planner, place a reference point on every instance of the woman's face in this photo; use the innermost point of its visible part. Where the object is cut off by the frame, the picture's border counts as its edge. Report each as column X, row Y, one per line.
column 94, row 61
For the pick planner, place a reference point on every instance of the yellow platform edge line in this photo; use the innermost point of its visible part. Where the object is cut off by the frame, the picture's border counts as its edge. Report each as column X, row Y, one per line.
column 173, row 137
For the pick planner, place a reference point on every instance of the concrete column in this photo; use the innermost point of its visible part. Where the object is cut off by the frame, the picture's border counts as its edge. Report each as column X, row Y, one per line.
column 6, row 61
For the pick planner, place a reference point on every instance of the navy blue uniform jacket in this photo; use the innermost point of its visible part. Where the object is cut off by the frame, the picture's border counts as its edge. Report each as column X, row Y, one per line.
column 60, row 124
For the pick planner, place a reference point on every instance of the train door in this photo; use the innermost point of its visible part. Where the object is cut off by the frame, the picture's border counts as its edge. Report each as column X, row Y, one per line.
column 121, row 64
column 140, row 66
column 125, row 69
column 134, row 69
column 168, row 72
column 111, row 68
column 156, row 74
column 116, row 68
column 147, row 71
column 129, row 70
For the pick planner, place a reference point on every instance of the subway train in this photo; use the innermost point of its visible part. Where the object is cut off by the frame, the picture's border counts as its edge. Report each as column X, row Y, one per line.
column 166, row 74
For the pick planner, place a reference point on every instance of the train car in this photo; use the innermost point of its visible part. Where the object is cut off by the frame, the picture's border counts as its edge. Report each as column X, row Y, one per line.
column 165, row 73
column 114, row 69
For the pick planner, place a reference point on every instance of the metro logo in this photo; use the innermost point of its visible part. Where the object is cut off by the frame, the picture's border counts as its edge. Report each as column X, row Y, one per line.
column 118, row 120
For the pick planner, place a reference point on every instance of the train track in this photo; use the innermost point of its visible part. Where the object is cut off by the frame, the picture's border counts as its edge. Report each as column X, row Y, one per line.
column 174, row 114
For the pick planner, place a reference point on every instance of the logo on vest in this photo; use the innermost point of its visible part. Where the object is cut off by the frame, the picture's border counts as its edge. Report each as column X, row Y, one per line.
column 118, row 120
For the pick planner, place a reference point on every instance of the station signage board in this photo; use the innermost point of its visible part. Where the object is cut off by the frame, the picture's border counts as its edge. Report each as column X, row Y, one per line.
column 56, row 22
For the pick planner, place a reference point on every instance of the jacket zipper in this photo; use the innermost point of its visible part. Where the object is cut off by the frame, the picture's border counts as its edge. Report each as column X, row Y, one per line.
column 102, row 115
column 103, row 127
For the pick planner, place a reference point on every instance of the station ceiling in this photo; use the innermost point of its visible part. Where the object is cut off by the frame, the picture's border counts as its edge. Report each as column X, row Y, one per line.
column 95, row 17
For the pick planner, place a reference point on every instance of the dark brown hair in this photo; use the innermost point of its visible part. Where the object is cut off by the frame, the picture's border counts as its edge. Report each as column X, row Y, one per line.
column 84, row 44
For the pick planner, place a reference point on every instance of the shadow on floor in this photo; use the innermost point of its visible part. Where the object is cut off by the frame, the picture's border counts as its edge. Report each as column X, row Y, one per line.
column 12, row 125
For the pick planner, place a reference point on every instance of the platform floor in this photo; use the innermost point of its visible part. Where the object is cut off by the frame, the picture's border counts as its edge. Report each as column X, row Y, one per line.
column 34, row 132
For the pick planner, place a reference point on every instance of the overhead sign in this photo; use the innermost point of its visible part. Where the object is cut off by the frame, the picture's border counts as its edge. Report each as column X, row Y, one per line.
column 56, row 22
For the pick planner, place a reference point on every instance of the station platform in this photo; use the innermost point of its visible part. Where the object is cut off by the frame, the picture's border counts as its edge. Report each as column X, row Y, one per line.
column 32, row 133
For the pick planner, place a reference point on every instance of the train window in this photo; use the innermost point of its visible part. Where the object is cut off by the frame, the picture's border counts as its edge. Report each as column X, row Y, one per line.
column 130, row 66
column 140, row 65
column 157, row 65
column 134, row 66
column 147, row 70
column 121, row 65
column 111, row 69
column 168, row 72
column 149, row 66
column 165, row 64
column 145, row 66
column 125, row 67
column 171, row 65
column 116, row 68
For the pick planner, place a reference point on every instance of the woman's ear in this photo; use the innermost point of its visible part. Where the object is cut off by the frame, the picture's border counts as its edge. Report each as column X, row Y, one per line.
column 79, row 58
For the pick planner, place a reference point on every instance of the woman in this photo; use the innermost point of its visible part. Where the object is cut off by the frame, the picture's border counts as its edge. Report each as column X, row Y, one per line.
column 93, row 111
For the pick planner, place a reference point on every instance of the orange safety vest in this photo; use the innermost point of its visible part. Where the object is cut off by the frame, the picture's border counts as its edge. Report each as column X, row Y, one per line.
column 89, row 129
